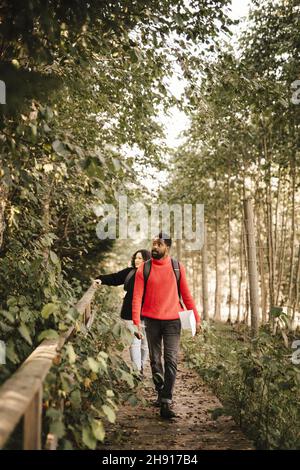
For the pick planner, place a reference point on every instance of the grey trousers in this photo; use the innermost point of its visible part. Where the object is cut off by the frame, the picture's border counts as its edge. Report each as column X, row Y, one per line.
column 164, row 333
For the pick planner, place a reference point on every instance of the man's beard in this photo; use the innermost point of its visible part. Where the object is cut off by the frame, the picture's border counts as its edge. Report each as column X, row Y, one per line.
column 156, row 255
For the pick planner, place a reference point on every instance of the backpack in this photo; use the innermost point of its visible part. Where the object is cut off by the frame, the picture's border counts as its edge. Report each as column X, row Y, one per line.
column 176, row 269
column 128, row 277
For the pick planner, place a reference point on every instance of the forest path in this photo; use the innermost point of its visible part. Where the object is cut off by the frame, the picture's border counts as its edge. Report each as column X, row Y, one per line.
column 140, row 426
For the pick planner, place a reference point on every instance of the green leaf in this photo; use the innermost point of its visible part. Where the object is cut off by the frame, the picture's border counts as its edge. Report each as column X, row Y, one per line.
column 54, row 258
column 71, row 353
column 68, row 445
column 110, row 413
column 33, row 129
column 58, row 429
column 275, row 312
column 103, row 354
column 127, row 378
column 4, row 328
column 116, row 163
column 11, row 301
column 75, row 398
column 48, row 309
column 88, row 438
column 8, row 316
column 25, row 315
column 98, row 430
column 65, row 381
column 23, row 330
column 93, row 364
column 14, row 309
column 11, row 353
column 216, row 413
column 48, row 334
column 54, row 414
column 102, row 364
column 117, row 330
column 110, row 402
column 93, row 170
column 48, row 167
column 49, row 113
column 59, row 148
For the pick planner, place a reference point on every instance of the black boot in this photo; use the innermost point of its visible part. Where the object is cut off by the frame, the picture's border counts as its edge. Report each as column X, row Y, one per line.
column 166, row 412
column 157, row 402
column 158, row 381
column 159, row 385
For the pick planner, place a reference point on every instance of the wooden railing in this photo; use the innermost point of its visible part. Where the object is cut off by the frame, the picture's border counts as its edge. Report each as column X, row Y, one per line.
column 22, row 394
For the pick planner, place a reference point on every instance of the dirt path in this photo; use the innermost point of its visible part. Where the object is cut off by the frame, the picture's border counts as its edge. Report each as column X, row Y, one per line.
column 141, row 427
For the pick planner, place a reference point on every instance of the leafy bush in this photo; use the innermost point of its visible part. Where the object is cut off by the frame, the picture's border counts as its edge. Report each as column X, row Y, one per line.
column 256, row 381
column 83, row 390
column 87, row 381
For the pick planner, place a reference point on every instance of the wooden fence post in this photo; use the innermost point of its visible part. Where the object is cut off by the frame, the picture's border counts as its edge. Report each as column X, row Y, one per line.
column 87, row 313
column 33, row 423
column 22, row 394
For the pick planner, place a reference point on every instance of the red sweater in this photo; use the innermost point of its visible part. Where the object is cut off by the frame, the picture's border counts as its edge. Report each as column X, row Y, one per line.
column 161, row 298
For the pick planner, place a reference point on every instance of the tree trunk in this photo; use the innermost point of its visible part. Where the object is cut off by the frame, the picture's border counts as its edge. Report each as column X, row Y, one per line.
column 217, row 312
column 179, row 249
column 293, row 236
column 262, row 267
column 46, row 200
column 282, row 250
column 276, row 220
column 247, row 306
column 3, row 203
column 204, row 277
column 252, row 266
column 229, row 254
column 238, row 318
column 297, row 283
column 194, row 274
column 269, row 225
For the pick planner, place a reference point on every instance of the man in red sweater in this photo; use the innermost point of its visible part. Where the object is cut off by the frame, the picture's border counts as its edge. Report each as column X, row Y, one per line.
column 160, row 309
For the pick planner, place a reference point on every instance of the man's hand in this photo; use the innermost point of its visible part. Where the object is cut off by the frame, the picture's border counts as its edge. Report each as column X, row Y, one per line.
column 139, row 333
column 96, row 283
column 198, row 328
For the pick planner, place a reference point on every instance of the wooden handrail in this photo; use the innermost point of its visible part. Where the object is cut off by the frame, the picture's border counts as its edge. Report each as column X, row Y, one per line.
column 21, row 394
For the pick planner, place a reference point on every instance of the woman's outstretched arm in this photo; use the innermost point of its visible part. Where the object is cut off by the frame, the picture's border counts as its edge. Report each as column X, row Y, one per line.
column 114, row 279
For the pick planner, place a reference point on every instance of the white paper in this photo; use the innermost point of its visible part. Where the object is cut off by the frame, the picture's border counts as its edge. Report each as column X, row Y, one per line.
column 188, row 321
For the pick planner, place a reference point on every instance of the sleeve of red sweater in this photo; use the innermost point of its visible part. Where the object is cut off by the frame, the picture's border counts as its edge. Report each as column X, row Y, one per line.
column 186, row 295
column 138, row 295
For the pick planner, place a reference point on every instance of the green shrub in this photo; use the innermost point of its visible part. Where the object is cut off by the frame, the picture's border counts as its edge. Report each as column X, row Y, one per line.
column 256, row 381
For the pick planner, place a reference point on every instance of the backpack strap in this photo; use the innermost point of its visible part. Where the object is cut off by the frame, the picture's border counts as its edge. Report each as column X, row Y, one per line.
column 147, row 269
column 128, row 277
column 176, row 269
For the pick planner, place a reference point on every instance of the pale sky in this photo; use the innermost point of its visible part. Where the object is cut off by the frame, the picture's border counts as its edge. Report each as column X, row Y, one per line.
column 177, row 121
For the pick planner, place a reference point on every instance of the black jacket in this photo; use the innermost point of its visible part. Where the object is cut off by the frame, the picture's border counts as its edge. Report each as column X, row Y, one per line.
column 117, row 279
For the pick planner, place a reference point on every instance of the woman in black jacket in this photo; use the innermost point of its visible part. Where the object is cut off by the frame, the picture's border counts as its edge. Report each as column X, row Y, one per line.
column 138, row 348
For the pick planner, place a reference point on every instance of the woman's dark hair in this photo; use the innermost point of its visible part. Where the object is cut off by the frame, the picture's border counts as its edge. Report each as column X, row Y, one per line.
column 145, row 255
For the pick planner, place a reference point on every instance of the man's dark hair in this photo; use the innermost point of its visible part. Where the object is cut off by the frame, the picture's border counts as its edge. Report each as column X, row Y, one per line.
column 165, row 237
column 145, row 255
